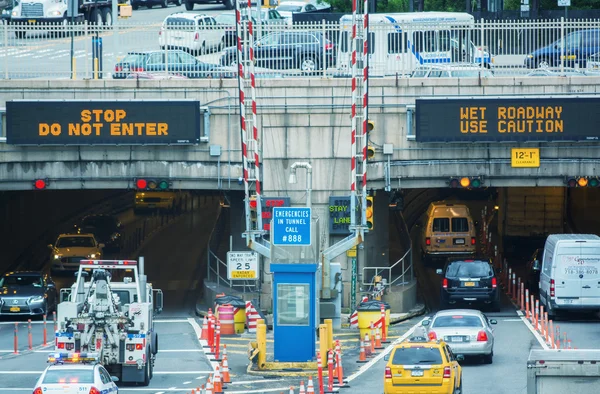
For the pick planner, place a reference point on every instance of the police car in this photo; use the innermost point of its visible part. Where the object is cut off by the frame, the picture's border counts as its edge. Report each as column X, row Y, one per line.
column 70, row 373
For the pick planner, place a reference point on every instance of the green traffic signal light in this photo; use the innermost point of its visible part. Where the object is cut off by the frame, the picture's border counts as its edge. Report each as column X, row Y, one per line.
column 476, row 183
column 163, row 185
column 594, row 182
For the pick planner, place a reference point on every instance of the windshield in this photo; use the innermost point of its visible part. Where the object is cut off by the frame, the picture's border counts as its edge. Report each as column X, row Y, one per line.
column 289, row 8
column 471, row 269
column 14, row 280
column 54, row 376
column 76, row 242
column 457, row 321
column 417, row 355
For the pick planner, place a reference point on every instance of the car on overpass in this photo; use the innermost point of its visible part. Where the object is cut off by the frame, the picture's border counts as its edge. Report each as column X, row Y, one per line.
column 575, row 48
column 135, row 4
column 28, row 293
column 422, row 365
column 557, row 72
column 195, row 33
column 451, row 71
column 468, row 332
column 175, row 61
column 70, row 249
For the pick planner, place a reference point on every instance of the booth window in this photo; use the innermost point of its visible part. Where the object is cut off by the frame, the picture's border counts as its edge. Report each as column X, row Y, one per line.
column 293, row 304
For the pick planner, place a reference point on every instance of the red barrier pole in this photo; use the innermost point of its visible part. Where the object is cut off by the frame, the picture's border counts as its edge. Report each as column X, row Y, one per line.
column 527, row 304
column 218, row 340
column 45, row 332
column 16, row 340
column 522, row 296
column 30, row 339
column 330, row 371
column 320, row 373
column 210, row 334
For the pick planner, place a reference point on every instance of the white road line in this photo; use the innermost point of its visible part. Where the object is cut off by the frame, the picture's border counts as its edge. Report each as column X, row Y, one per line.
column 537, row 336
column 198, row 331
column 183, row 372
column 255, row 381
column 173, row 321
column 187, row 382
column 511, row 320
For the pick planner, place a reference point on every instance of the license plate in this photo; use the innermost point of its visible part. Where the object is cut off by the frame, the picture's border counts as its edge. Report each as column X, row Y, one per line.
column 416, row 372
column 459, row 241
column 457, row 339
column 31, row 21
column 565, row 301
column 15, row 309
column 469, row 284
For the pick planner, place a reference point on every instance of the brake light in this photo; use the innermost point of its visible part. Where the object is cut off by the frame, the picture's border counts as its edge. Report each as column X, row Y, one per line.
column 432, row 335
column 552, row 292
column 61, row 345
column 447, row 373
column 196, row 37
column 328, row 46
column 482, row 336
column 445, row 283
column 472, row 240
column 428, row 241
column 137, row 69
column 388, row 373
column 38, row 390
column 138, row 346
column 94, row 390
column 494, row 282
column 160, row 32
column 118, row 68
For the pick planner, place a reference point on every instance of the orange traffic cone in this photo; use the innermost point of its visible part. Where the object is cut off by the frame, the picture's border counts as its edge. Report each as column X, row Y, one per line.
column 204, row 329
column 377, row 339
column 193, row 391
column 217, row 381
column 362, row 358
column 311, row 386
column 372, row 343
column 209, row 385
column 367, row 345
column 291, row 390
column 225, row 366
column 302, row 389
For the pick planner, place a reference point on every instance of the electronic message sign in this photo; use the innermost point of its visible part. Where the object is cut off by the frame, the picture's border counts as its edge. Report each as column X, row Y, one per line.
column 267, row 204
column 339, row 215
column 103, row 122
column 508, row 119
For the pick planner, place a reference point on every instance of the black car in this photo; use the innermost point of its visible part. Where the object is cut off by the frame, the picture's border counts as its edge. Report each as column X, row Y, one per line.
column 135, row 4
column 302, row 50
column 228, row 19
column 534, row 267
column 177, row 62
column 469, row 281
column 106, row 230
column 27, row 293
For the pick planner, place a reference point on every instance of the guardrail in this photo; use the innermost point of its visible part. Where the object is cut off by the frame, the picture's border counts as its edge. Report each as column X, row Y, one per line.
column 396, row 49
column 406, row 268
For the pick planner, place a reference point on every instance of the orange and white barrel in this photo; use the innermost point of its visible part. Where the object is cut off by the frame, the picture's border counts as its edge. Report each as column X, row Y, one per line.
column 226, row 319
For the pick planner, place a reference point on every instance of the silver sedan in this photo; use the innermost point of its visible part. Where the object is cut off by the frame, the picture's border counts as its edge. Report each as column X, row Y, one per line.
column 468, row 332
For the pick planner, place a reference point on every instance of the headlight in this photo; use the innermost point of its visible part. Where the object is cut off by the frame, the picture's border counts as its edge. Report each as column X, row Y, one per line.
column 15, row 13
column 92, row 256
column 36, row 299
column 56, row 256
column 54, row 13
column 530, row 56
column 115, row 236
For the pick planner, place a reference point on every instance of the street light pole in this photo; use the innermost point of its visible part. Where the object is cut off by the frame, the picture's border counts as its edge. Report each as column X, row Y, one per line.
column 303, row 164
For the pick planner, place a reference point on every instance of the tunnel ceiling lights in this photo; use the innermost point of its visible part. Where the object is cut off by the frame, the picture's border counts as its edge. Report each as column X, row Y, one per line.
column 465, row 182
column 583, row 181
column 152, row 184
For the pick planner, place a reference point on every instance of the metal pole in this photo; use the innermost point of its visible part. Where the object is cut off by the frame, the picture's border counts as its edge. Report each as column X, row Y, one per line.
column 353, row 284
column 72, row 45
column 309, row 188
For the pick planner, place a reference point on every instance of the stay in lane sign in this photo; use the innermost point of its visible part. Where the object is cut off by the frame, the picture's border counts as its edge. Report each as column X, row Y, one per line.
column 291, row 226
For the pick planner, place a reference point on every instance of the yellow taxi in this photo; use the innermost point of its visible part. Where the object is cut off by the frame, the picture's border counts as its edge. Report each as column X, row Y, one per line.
column 419, row 365
column 151, row 200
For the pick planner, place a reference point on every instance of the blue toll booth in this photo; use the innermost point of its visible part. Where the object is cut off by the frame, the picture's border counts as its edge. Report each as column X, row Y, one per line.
column 295, row 312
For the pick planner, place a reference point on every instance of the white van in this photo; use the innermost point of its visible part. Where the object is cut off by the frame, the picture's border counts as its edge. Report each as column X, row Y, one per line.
column 196, row 33
column 400, row 42
column 570, row 277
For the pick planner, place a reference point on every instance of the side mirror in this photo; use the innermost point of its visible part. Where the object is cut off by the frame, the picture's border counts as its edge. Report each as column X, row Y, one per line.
column 386, row 358
column 476, row 223
column 493, row 321
column 460, row 358
column 114, row 379
column 50, row 246
column 158, row 301
column 439, row 271
column 425, row 323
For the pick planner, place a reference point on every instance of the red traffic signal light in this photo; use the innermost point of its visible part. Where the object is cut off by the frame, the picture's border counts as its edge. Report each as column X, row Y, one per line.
column 141, row 183
column 152, row 184
column 40, row 184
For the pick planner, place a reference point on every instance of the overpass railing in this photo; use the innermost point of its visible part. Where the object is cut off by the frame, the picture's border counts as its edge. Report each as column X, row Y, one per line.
column 316, row 49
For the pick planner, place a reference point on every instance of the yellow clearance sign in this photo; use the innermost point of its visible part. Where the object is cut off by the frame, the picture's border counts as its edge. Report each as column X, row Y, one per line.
column 484, row 119
column 103, row 122
column 525, row 157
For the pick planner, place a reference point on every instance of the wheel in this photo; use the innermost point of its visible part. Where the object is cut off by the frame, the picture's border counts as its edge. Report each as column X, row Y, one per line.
column 177, row 3
column 147, row 369
column 229, row 5
column 189, row 5
column 550, row 310
column 20, row 34
column 543, row 63
column 107, row 17
column 458, row 390
column 96, row 17
column 164, row 3
column 309, row 64
column 135, row 6
column 488, row 358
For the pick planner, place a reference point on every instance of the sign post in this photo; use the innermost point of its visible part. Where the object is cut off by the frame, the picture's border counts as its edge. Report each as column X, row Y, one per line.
column 353, row 284
column 291, row 226
column 566, row 4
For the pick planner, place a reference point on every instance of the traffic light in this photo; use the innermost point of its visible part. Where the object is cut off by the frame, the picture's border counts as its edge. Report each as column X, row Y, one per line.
column 253, row 213
column 40, row 184
column 466, row 182
column 370, row 152
column 152, row 184
column 370, row 125
column 582, row 181
column 370, row 213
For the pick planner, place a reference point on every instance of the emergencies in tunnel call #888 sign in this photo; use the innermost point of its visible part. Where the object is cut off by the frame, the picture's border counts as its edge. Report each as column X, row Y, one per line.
column 291, row 226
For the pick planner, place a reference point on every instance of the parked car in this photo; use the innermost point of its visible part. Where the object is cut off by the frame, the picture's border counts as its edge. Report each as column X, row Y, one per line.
column 145, row 75
column 468, row 332
column 27, row 293
column 228, row 21
column 289, row 50
column 135, row 4
column 593, row 63
column 106, row 229
column 557, row 72
column 69, row 249
column 534, row 267
column 458, row 70
column 469, row 281
column 287, row 8
column 189, row 4
column 179, row 62
column 574, row 49
column 195, row 33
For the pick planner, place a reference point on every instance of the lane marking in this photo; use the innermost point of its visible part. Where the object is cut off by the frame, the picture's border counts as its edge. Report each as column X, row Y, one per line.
column 155, row 372
column 198, row 330
column 512, row 320
column 255, row 381
column 188, row 382
column 172, row 321
column 179, row 350
column 537, row 335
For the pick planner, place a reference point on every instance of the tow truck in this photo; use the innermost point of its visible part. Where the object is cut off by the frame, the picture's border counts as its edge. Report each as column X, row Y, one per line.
column 112, row 318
